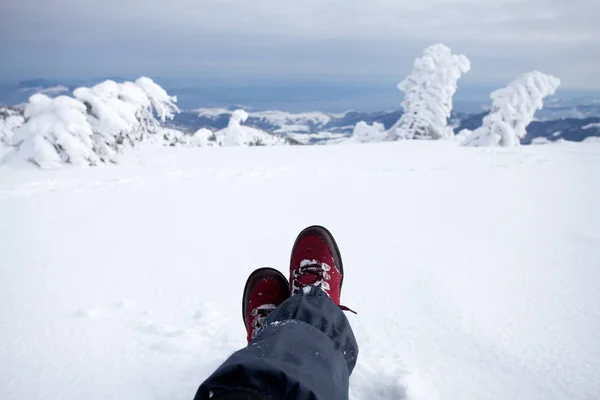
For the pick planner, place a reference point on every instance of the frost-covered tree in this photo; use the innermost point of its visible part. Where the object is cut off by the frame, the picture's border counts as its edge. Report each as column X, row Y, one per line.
column 10, row 120
column 513, row 108
column 428, row 93
column 164, row 105
column 56, row 131
column 234, row 134
column 101, row 120
column 237, row 135
column 174, row 137
column 203, row 138
column 365, row 133
column 123, row 114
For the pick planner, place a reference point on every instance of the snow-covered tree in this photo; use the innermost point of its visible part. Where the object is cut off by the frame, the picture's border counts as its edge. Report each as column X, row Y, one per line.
column 234, row 134
column 237, row 135
column 115, row 115
column 10, row 120
column 173, row 137
column 163, row 104
column 124, row 113
column 365, row 133
column 513, row 108
column 428, row 93
column 203, row 138
column 113, row 120
column 56, row 131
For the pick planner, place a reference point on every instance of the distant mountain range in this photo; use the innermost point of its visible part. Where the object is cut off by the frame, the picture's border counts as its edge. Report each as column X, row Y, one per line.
column 571, row 119
column 572, row 129
column 315, row 127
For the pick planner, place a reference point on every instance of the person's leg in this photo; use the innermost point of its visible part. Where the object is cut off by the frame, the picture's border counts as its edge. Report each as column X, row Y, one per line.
column 305, row 349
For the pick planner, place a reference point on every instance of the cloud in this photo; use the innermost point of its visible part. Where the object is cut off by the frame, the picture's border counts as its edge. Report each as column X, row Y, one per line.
column 354, row 38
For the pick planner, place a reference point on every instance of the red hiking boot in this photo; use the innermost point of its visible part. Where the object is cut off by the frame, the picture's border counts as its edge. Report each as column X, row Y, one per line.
column 265, row 290
column 316, row 261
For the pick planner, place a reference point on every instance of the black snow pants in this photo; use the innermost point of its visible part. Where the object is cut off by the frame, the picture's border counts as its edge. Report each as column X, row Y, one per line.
column 306, row 351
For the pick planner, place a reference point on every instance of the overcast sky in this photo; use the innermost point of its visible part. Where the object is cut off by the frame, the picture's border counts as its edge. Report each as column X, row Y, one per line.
column 300, row 40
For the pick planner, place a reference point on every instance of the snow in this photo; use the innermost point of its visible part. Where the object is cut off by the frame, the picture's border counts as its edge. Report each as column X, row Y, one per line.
column 283, row 122
column 237, row 135
column 284, row 119
column 474, row 271
column 295, row 128
column 234, row 134
column 162, row 103
column 56, row 131
column 592, row 125
column 318, row 138
column 591, row 139
column 365, row 133
column 541, row 140
column 513, row 109
column 10, row 120
column 172, row 137
column 201, row 138
column 428, row 92
column 92, row 127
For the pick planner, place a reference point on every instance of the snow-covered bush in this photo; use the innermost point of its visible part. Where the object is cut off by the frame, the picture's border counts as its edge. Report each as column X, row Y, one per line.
column 56, row 131
column 102, row 120
column 234, row 134
column 237, row 135
column 10, row 120
column 428, row 93
column 203, row 138
column 173, row 137
column 124, row 113
column 163, row 104
column 513, row 108
column 365, row 133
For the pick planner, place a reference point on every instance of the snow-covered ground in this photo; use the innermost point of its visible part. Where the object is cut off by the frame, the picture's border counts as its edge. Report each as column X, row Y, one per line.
column 475, row 271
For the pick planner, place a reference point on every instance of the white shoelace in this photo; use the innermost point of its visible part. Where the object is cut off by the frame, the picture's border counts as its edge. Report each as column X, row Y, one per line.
column 312, row 267
column 260, row 313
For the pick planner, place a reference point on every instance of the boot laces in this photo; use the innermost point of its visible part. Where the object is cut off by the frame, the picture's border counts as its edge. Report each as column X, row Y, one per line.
column 259, row 315
column 320, row 272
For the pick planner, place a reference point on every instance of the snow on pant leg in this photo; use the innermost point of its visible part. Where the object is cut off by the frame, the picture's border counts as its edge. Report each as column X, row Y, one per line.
column 305, row 351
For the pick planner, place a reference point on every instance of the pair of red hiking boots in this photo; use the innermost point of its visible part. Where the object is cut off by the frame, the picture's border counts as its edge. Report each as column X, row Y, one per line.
column 315, row 261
